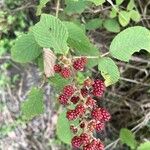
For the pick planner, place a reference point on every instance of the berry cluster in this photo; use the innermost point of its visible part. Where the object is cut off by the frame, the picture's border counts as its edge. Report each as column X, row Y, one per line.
column 91, row 117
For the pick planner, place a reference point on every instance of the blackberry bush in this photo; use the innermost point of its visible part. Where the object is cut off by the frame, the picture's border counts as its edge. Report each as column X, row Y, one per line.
column 67, row 58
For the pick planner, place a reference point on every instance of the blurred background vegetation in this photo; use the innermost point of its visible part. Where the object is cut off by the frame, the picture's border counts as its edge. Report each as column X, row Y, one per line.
column 128, row 100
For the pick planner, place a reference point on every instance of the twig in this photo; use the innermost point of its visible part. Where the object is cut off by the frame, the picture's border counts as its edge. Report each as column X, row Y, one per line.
column 29, row 5
column 5, row 57
column 134, row 81
column 137, row 59
column 57, row 7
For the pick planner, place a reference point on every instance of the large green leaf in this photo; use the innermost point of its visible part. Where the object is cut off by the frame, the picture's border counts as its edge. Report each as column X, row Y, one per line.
column 127, row 137
column 50, row 32
column 144, row 146
column 82, row 45
column 58, row 82
column 25, row 49
column 129, row 41
column 73, row 6
column 34, row 105
column 109, row 70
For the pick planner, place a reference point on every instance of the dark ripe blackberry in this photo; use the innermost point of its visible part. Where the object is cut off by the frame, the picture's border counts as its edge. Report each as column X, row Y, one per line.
column 75, row 99
column 57, row 68
column 84, row 92
column 82, row 125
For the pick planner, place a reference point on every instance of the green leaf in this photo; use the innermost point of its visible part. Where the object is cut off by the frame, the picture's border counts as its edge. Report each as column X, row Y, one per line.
column 127, row 137
column 135, row 16
column 109, row 70
column 80, row 78
column 50, row 32
column 94, row 24
column 129, row 41
column 144, row 146
column 124, row 18
column 58, row 82
column 97, row 2
column 75, row 6
column 34, row 105
column 25, row 49
column 40, row 62
column 119, row 2
column 40, row 6
column 112, row 25
column 81, row 44
column 131, row 5
column 63, row 128
column 113, row 12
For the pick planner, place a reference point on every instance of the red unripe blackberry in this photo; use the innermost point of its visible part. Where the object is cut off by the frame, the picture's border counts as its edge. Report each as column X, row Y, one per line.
column 76, row 142
column 80, row 63
column 98, row 144
column 105, row 115
column 80, row 109
column 75, row 99
column 98, row 88
column 91, row 125
column 89, row 147
column 57, row 68
column 65, row 72
column 90, row 102
column 84, row 92
column 100, row 126
column 63, row 99
column 68, row 90
column 97, row 114
column 71, row 114
column 85, row 138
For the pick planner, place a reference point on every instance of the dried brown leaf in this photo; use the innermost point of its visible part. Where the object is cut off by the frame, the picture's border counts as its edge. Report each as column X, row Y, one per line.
column 49, row 62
